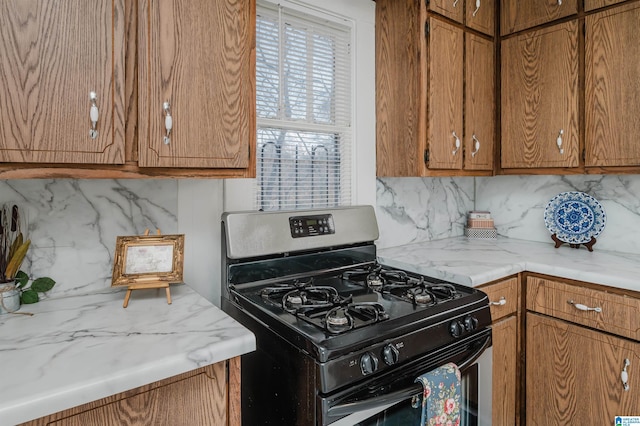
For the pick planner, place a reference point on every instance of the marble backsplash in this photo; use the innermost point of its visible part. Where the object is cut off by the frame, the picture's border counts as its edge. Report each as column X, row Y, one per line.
column 413, row 210
column 73, row 224
column 517, row 205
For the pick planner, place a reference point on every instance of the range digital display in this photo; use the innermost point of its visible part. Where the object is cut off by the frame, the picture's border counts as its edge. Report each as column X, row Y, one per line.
column 311, row 226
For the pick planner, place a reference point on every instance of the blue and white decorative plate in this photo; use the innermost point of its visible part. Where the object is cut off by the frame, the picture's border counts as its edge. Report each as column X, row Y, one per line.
column 574, row 217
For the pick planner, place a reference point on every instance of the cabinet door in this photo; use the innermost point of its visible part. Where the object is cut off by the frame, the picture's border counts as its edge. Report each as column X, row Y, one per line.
column 52, row 55
column 400, row 91
column 481, row 16
column 479, row 132
column 199, row 57
column 612, row 87
column 539, row 105
column 596, row 4
column 505, row 358
column 516, row 15
column 453, row 9
column 445, row 96
column 574, row 374
column 193, row 399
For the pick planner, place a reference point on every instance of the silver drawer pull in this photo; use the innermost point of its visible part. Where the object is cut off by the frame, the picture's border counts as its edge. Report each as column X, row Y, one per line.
column 582, row 307
column 476, row 146
column 559, row 141
column 94, row 115
column 624, row 376
column 457, row 143
column 168, row 122
column 477, row 8
column 500, row 302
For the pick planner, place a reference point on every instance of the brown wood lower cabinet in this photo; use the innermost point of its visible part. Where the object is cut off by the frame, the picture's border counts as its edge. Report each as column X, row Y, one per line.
column 504, row 380
column 574, row 374
column 505, row 301
column 209, row 396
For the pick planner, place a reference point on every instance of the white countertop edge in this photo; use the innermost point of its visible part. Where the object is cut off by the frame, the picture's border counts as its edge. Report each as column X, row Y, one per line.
column 478, row 262
column 81, row 393
column 39, row 401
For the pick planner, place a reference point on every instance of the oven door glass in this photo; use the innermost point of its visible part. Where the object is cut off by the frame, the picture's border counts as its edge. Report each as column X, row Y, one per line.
column 409, row 411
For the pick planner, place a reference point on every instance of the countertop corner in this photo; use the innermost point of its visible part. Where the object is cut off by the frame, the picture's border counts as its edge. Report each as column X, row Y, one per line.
column 78, row 349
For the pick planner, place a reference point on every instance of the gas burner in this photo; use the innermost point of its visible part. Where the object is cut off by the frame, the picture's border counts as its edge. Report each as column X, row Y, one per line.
column 310, row 297
column 421, row 296
column 279, row 289
column 378, row 278
column 448, row 291
column 344, row 318
column 338, row 320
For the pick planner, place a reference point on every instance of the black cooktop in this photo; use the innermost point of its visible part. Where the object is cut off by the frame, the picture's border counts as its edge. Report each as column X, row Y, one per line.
column 338, row 310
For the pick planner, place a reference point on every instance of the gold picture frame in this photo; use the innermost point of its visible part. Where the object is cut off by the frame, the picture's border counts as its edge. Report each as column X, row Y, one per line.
column 148, row 261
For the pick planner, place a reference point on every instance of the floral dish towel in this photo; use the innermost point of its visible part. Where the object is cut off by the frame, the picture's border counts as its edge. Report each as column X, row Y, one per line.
column 441, row 396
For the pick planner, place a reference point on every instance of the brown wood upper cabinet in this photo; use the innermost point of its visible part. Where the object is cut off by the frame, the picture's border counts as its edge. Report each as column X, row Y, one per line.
column 420, row 94
column 596, row 4
column 540, row 98
column 481, row 16
column 173, row 84
column 52, row 56
column 612, row 87
column 200, row 81
column 453, row 9
column 517, row 15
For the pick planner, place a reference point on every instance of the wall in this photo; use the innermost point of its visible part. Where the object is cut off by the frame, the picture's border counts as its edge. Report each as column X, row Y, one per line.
column 414, row 210
column 73, row 225
column 517, row 204
column 422, row 209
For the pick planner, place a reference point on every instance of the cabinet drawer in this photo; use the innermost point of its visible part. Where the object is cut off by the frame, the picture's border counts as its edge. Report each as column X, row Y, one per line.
column 504, row 290
column 618, row 314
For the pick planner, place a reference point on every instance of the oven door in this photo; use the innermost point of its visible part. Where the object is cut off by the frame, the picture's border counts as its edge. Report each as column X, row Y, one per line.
column 396, row 399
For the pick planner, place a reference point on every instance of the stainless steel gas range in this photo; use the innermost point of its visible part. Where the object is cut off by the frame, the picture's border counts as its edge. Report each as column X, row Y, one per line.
column 340, row 338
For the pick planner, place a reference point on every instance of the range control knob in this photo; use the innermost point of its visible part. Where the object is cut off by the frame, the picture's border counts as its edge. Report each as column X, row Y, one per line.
column 470, row 323
column 368, row 363
column 456, row 328
column 390, row 354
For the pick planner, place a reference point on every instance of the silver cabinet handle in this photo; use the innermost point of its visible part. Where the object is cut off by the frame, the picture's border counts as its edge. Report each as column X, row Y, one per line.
column 624, row 375
column 478, row 8
column 582, row 307
column 476, row 146
column 559, row 141
column 559, row 2
column 94, row 114
column 455, row 3
column 455, row 151
column 500, row 302
column 168, row 122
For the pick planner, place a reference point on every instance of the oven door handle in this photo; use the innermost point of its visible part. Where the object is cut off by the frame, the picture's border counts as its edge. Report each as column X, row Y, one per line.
column 401, row 395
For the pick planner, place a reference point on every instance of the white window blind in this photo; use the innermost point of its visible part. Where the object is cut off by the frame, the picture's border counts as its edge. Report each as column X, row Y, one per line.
column 303, row 86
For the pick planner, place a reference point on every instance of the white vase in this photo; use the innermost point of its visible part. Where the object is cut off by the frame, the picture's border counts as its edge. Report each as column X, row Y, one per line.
column 9, row 298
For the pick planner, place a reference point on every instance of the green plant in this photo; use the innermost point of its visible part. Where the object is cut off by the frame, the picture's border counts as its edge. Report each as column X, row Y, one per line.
column 30, row 294
column 13, row 249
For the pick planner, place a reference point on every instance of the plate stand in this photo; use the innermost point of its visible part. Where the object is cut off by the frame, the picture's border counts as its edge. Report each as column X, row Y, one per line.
column 588, row 245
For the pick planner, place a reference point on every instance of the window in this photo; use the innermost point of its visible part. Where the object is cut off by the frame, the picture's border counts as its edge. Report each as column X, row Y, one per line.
column 303, row 86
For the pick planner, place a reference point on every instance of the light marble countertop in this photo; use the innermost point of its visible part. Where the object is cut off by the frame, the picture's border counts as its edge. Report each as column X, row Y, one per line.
column 475, row 262
column 82, row 348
